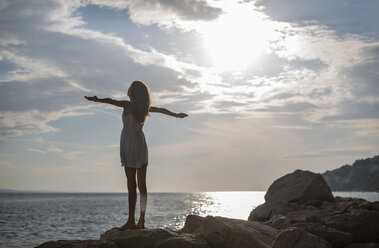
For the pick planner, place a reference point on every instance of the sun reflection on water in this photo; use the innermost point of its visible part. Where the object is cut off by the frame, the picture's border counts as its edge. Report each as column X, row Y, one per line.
column 232, row 204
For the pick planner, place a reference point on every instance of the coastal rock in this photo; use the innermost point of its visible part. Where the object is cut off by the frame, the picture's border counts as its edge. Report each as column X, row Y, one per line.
column 295, row 237
column 300, row 187
column 184, row 241
column 367, row 245
column 363, row 224
column 138, row 238
column 292, row 201
column 192, row 224
column 337, row 238
column 233, row 233
column 78, row 244
column 297, row 187
column 198, row 232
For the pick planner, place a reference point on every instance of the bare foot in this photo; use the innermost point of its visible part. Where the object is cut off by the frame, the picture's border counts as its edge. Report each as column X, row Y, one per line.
column 126, row 226
column 141, row 224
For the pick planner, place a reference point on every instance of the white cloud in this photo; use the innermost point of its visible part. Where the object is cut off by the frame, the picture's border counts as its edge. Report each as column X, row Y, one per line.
column 34, row 121
column 148, row 12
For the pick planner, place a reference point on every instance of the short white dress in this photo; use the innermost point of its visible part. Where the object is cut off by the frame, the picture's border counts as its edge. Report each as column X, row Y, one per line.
column 133, row 147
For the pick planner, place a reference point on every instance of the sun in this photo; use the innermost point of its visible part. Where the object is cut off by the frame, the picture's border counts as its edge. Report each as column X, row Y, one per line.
column 237, row 38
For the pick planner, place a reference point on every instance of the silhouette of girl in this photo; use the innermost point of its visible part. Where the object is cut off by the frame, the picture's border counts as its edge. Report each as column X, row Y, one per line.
column 133, row 148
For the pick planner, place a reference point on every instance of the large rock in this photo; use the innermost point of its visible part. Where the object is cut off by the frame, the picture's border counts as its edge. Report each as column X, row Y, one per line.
column 363, row 224
column 337, row 238
column 192, row 224
column 184, row 241
column 233, row 233
column 295, row 237
column 78, row 244
column 297, row 187
column 138, row 238
column 198, row 232
column 367, row 245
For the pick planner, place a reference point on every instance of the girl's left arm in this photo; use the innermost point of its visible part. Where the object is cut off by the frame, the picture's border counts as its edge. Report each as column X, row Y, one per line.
column 167, row 112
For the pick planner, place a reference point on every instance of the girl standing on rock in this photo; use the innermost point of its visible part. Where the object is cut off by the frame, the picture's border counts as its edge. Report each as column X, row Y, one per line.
column 133, row 148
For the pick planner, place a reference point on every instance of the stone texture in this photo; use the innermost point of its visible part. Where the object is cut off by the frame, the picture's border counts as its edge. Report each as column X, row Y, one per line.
column 192, row 224
column 297, row 187
column 233, row 233
column 337, row 238
column 367, row 245
column 137, row 238
column 363, row 224
column 184, row 241
column 300, row 187
column 78, row 244
column 295, row 237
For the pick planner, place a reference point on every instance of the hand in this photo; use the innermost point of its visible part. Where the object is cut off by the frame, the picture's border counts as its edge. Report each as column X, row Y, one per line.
column 92, row 98
column 181, row 115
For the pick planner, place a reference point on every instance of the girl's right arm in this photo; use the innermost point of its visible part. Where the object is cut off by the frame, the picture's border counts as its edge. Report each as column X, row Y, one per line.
column 108, row 100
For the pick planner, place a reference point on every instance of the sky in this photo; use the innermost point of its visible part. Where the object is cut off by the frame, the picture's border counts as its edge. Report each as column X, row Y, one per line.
column 269, row 87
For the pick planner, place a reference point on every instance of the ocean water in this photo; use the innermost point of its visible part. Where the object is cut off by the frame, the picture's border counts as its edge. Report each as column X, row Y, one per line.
column 29, row 219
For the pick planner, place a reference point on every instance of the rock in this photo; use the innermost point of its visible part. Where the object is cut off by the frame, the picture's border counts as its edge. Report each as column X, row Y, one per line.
column 374, row 206
column 184, row 241
column 279, row 222
column 300, row 187
column 138, row 238
column 78, row 244
column 295, row 237
column 198, row 232
column 363, row 224
column 233, row 233
column 297, row 187
column 367, row 245
column 192, row 224
column 337, row 238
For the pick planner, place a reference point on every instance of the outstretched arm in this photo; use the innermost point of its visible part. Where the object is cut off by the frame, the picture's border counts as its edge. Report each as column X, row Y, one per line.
column 108, row 100
column 167, row 112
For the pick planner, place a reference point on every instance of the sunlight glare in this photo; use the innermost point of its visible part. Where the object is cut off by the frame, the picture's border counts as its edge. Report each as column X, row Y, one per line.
column 237, row 38
column 233, row 204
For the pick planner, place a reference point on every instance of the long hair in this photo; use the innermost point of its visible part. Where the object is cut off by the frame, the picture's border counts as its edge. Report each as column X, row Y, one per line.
column 140, row 100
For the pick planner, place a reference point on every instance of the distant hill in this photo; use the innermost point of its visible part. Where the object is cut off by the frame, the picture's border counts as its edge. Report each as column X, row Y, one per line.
column 363, row 175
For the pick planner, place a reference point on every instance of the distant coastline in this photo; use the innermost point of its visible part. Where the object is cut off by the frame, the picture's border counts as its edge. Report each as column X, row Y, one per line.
column 362, row 176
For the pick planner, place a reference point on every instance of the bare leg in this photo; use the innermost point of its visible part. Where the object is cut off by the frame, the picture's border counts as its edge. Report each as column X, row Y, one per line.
column 132, row 198
column 141, row 176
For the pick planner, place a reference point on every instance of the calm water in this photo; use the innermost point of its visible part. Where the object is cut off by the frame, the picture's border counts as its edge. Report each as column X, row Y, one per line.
column 29, row 219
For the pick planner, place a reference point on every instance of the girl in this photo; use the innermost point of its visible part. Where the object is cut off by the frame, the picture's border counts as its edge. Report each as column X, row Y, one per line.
column 133, row 148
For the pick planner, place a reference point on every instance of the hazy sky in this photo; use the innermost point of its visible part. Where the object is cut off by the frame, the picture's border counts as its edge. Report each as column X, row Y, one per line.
column 270, row 86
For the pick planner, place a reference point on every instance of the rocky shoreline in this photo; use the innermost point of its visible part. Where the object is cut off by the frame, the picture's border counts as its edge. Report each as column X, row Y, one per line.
column 299, row 212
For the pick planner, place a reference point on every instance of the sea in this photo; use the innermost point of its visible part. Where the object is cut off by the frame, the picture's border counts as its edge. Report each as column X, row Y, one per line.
column 29, row 219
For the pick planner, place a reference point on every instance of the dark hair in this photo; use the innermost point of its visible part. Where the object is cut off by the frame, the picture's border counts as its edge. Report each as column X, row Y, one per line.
column 140, row 100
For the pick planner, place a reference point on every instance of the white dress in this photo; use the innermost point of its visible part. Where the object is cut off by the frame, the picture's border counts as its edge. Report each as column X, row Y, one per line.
column 133, row 147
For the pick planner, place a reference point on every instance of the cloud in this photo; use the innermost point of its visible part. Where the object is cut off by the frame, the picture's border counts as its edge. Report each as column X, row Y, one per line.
column 345, row 17
column 55, row 150
column 347, row 152
column 306, row 71
column 29, row 122
column 355, row 110
column 148, row 12
column 54, row 70
column 37, row 150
